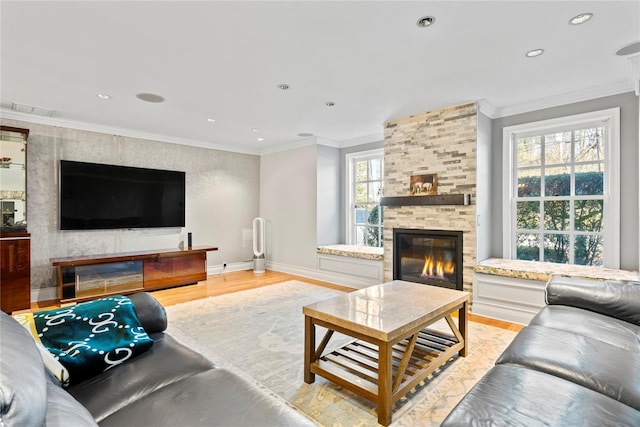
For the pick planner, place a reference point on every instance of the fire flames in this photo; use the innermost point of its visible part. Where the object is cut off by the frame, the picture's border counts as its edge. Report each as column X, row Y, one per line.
column 436, row 267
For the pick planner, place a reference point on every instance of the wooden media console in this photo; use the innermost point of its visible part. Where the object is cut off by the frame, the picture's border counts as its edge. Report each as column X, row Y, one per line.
column 95, row 276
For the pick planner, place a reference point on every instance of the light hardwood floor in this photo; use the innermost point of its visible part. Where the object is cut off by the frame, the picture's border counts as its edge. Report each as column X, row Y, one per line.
column 242, row 280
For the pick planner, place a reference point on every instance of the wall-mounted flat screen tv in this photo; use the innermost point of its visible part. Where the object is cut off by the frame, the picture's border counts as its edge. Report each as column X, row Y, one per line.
column 98, row 196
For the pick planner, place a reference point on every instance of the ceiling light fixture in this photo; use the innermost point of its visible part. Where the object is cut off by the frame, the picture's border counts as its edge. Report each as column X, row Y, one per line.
column 329, row 104
column 150, row 97
column 255, row 130
column 533, row 53
column 283, row 86
column 580, row 19
column 211, row 120
column 629, row 49
column 260, row 139
column 103, row 96
column 425, row 21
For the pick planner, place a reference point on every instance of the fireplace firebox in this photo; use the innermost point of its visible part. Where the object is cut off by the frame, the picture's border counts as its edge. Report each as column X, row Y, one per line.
column 432, row 257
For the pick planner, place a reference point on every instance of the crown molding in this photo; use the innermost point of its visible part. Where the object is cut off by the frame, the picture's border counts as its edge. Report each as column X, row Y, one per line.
column 290, row 146
column 328, row 142
column 366, row 139
column 487, row 108
column 562, row 99
column 634, row 71
column 92, row 127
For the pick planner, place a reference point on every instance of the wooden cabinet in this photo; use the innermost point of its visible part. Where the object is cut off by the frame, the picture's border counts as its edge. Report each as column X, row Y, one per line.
column 174, row 269
column 84, row 278
column 15, row 281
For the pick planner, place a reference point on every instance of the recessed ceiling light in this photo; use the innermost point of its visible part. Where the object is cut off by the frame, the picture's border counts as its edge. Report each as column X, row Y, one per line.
column 533, row 53
column 425, row 21
column 211, row 120
column 150, row 97
column 260, row 139
column 329, row 104
column 103, row 96
column 283, row 86
column 305, row 134
column 255, row 130
column 580, row 19
column 629, row 49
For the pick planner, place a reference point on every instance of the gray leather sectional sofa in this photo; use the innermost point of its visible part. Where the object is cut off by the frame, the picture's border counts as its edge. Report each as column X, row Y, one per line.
column 577, row 363
column 168, row 385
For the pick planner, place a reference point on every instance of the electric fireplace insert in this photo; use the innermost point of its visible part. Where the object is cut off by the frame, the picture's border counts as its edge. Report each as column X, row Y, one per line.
column 432, row 257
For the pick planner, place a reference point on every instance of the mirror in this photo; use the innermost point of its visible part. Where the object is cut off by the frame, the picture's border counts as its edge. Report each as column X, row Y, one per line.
column 13, row 178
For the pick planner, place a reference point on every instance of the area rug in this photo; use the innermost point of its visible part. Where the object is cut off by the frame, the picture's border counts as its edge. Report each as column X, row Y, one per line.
column 259, row 333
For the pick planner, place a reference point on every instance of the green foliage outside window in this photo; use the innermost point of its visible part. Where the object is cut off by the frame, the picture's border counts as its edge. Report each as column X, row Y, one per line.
column 555, row 216
column 374, row 237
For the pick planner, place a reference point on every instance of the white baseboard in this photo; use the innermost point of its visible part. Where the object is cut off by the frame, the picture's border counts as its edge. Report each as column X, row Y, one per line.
column 325, row 276
column 231, row 266
column 507, row 314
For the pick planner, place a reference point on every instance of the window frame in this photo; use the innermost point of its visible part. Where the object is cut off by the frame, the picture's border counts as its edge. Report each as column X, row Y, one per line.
column 350, row 159
column 611, row 185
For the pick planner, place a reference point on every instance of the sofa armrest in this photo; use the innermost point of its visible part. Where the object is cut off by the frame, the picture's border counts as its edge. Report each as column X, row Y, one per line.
column 615, row 299
column 150, row 312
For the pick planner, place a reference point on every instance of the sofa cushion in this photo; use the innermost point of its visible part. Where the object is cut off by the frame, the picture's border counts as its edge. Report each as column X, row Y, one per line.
column 586, row 361
column 615, row 299
column 64, row 411
column 515, row 396
column 590, row 324
column 166, row 362
column 23, row 384
column 151, row 313
column 213, row 398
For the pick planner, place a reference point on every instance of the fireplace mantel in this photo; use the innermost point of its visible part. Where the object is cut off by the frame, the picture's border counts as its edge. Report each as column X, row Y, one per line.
column 438, row 200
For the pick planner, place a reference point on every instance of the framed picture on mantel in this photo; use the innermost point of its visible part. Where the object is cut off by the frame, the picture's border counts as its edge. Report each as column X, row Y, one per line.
column 424, row 185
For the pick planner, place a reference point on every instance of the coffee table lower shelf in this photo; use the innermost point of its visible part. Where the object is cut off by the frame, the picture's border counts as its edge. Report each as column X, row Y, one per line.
column 355, row 365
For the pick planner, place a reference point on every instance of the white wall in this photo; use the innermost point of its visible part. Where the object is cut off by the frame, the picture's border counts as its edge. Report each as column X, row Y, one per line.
column 288, row 200
column 329, row 206
column 222, row 197
column 483, row 188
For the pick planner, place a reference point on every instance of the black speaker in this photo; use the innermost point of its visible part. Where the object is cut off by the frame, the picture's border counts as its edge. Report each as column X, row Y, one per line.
column 189, row 241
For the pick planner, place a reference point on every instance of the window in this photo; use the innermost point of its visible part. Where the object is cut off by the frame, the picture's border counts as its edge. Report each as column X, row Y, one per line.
column 364, row 213
column 561, row 178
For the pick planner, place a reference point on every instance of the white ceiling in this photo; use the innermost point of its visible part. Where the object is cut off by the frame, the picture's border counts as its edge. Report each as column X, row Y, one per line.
column 224, row 60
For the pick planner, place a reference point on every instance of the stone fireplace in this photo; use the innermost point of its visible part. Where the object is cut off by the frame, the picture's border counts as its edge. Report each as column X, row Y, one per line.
column 441, row 142
column 432, row 257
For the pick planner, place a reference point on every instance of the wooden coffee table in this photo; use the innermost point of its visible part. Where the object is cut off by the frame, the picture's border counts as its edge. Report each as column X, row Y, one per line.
column 393, row 349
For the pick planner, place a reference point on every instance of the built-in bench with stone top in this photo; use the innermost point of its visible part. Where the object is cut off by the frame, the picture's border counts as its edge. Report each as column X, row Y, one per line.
column 513, row 290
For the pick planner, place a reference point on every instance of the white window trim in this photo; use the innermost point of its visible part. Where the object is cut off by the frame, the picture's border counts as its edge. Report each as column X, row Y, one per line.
column 611, row 181
column 349, row 190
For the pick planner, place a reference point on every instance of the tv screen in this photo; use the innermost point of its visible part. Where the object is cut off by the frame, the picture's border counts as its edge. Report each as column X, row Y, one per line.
column 98, row 196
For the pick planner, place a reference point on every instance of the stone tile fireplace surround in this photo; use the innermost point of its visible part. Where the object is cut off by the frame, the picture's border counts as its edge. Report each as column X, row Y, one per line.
column 441, row 142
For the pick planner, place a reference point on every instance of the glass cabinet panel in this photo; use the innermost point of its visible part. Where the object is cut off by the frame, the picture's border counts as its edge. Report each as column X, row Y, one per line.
column 13, row 178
